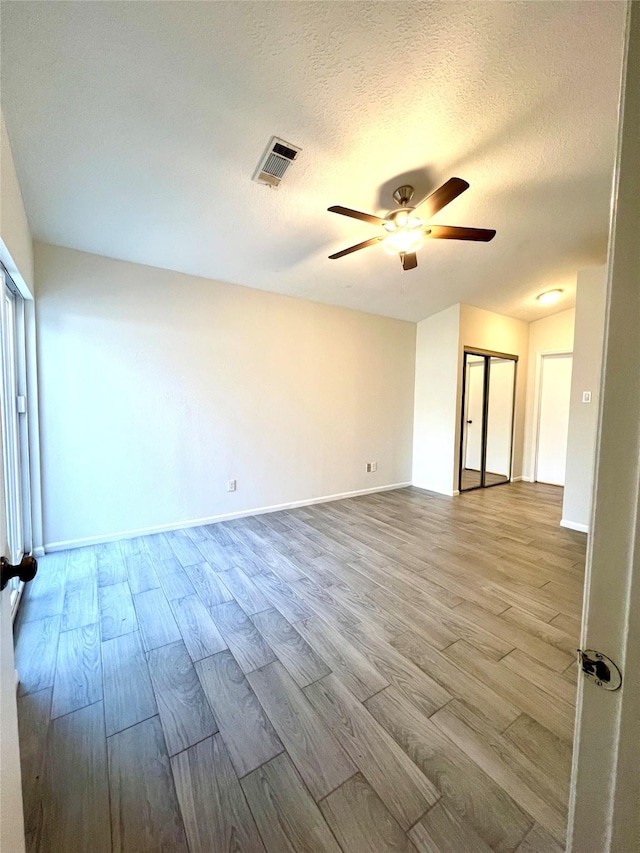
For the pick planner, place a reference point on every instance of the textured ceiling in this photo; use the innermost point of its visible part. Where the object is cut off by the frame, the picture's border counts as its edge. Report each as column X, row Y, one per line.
column 136, row 128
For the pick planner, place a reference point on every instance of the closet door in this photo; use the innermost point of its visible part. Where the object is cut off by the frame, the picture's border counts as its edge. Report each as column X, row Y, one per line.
column 500, row 405
column 472, row 422
column 486, row 434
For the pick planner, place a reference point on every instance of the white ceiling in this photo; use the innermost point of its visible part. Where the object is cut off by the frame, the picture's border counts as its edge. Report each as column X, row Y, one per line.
column 136, row 128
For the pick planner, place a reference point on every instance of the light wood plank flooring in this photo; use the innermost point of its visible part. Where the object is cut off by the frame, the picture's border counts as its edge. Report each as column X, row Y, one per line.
column 392, row 672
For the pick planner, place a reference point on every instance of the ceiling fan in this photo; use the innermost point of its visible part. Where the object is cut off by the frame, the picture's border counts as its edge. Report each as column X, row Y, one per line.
column 406, row 232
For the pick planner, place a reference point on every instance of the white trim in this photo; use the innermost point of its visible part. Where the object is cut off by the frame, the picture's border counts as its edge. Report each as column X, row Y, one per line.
column 12, row 435
column 448, row 493
column 35, row 478
column 32, row 397
column 14, row 272
column 39, row 552
column 214, row 519
column 603, row 804
column 574, row 525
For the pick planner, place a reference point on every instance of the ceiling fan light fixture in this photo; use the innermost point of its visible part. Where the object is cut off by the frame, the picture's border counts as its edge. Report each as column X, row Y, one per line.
column 403, row 218
column 406, row 231
column 550, row 296
column 403, row 241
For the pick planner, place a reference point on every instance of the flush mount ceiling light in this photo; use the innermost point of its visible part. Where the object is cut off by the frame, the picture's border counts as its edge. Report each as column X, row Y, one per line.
column 550, row 296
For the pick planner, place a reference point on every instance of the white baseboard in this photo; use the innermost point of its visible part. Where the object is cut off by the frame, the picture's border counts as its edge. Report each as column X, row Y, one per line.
column 574, row 525
column 450, row 493
column 522, row 479
column 39, row 552
column 214, row 519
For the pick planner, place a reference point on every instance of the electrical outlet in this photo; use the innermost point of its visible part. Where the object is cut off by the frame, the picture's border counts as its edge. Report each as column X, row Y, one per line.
column 372, row 466
column 586, row 396
column 231, row 485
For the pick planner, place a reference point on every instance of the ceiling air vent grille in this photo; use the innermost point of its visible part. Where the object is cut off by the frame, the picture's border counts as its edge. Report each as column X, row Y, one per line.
column 275, row 162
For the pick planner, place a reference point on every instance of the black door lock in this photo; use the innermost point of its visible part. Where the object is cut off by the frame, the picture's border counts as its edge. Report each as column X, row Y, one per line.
column 600, row 669
column 25, row 570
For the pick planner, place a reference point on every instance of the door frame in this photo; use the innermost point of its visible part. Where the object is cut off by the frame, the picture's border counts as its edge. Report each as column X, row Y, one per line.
column 34, row 497
column 537, row 396
column 605, row 780
column 11, row 810
column 465, row 415
column 487, row 355
column 17, row 476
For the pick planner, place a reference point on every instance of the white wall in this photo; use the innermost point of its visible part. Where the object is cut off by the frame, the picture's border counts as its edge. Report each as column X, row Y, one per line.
column 490, row 331
column 551, row 334
column 157, row 387
column 16, row 253
column 440, row 344
column 436, row 393
column 583, row 417
column 14, row 227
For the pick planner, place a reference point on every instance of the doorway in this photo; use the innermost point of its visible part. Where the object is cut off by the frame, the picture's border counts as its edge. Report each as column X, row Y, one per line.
column 488, row 406
column 14, row 427
column 553, row 417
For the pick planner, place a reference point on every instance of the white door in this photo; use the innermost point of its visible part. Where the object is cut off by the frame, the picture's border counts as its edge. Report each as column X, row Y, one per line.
column 553, row 423
column 604, row 814
column 11, row 819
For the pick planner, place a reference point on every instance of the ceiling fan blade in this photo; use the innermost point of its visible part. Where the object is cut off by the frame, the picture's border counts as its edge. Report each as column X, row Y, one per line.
column 356, row 214
column 356, row 248
column 452, row 232
column 410, row 261
column 442, row 196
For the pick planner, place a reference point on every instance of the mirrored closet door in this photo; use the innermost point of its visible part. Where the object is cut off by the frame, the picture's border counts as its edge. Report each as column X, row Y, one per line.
column 488, row 404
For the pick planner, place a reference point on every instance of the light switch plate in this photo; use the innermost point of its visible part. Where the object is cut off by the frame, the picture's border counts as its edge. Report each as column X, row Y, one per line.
column 586, row 396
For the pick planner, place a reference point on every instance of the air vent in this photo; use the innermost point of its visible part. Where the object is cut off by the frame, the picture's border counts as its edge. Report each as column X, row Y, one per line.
column 275, row 162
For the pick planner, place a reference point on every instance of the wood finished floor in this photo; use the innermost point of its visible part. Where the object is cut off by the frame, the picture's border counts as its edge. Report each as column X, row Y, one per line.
column 392, row 672
column 471, row 478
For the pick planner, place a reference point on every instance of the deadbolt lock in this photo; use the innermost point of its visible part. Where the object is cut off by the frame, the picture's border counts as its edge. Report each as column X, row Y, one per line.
column 599, row 668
